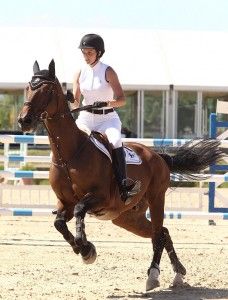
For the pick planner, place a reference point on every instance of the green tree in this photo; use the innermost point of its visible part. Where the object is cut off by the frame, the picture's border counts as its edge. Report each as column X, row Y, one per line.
column 9, row 109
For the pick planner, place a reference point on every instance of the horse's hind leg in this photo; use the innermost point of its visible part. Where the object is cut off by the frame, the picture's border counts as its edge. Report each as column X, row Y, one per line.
column 178, row 268
column 135, row 221
column 156, row 201
column 161, row 239
column 61, row 226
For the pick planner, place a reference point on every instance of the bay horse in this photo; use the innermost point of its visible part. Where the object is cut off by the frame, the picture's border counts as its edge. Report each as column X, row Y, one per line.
column 83, row 180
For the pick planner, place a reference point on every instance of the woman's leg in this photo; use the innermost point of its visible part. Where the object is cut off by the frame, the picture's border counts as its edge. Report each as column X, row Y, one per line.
column 128, row 188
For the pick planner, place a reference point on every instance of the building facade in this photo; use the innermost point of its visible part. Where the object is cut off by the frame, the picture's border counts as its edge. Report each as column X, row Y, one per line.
column 171, row 79
column 164, row 113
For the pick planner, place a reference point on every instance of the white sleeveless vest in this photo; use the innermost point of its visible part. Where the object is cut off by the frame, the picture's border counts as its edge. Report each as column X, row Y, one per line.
column 93, row 85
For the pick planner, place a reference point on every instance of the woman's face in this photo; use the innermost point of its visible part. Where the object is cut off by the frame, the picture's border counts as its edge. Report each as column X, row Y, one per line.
column 90, row 55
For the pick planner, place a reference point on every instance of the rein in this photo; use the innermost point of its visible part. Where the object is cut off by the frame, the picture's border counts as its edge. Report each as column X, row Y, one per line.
column 44, row 115
column 64, row 114
column 63, row 164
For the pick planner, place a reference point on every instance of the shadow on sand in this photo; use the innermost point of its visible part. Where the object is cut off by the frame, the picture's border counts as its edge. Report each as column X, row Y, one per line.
column 180, row 293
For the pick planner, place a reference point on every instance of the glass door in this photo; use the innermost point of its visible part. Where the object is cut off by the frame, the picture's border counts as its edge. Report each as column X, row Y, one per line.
column 128, row 114
column 153, row 114
column 187, row 115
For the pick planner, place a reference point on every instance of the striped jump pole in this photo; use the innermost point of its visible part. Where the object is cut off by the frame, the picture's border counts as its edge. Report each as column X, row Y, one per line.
column 7, row 211
column 174, row 215
column 12, row 174
column 178, row 215
column 15, row 174
column 35, row 139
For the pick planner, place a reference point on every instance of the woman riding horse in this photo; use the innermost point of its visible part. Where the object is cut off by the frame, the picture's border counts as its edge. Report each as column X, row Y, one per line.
column 98, row 83
column 83, row 181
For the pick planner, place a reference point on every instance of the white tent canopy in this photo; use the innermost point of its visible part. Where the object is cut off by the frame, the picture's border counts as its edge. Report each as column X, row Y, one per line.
column 143, row 59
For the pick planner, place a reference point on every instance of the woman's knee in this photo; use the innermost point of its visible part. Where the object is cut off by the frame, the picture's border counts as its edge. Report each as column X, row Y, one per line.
column 114, row 137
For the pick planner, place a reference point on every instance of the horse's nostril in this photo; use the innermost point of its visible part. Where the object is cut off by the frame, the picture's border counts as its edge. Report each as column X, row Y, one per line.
column 25, row 120
column 28, row 120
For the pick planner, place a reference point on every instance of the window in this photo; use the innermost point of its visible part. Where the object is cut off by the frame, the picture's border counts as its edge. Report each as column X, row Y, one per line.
column 128, row 114
column 209, row 106
column 154, row 107
column 186, row 114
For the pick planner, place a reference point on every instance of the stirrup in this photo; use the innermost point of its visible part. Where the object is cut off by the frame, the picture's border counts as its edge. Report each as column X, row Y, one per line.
column 129, row 189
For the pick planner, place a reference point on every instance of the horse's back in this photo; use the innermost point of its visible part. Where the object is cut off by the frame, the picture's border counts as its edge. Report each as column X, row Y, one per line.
column 153, row 167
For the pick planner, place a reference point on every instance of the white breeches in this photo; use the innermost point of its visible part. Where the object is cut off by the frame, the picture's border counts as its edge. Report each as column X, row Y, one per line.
column 109, row 124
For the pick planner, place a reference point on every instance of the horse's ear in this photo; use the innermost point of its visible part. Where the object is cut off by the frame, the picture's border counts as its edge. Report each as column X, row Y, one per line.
column 52, row 68
column 36, row 67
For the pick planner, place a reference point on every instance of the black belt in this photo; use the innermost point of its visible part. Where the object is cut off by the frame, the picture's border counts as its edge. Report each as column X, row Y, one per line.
column 100, row 111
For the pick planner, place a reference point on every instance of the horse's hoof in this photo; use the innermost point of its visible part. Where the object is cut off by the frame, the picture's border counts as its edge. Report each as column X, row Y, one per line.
column 90, row 256
column 152, row 284
column 178, row 280
column 76, row 249
column 153, row 279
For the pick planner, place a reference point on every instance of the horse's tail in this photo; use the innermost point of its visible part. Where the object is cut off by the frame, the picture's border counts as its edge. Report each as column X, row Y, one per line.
column 193, row 157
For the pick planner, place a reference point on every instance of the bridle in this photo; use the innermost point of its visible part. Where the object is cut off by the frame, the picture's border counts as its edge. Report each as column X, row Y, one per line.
column 37, row 81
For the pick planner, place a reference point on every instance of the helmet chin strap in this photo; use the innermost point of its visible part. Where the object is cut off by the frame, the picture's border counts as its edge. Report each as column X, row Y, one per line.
column 94, row 63
column 96, row 60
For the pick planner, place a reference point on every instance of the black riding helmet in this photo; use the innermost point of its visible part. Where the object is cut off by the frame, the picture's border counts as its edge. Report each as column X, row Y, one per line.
column 92, row 40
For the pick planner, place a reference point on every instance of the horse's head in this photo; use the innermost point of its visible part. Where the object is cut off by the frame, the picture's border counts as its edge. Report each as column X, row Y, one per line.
column 43, row 94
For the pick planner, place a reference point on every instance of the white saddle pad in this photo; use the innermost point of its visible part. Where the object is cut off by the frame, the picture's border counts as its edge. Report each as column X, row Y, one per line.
column 131, row 157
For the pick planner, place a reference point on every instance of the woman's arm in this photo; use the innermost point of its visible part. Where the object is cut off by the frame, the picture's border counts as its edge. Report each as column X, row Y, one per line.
column 112, row 79
column 76, row 90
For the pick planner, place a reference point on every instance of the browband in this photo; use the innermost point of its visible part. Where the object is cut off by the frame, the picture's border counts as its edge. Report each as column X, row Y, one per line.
column 40, row 78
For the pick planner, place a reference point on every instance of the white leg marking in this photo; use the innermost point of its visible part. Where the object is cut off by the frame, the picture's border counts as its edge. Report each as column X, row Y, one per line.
column 153, row 279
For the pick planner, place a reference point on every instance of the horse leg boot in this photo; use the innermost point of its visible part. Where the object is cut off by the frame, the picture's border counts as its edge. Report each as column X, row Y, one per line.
column 127, row 187
column 178, row 268
column 61, row 226
column 154, row 270
column 87, row 249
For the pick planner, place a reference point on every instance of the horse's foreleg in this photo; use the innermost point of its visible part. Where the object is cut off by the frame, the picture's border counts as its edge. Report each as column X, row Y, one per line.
column 61, row 226
column 178, row 268
column 87, row 249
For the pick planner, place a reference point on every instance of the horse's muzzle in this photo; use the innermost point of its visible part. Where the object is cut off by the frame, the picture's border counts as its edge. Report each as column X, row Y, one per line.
column 26, row 123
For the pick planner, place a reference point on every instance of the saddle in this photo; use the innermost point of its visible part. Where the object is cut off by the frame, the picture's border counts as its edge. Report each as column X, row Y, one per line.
column 101, row 142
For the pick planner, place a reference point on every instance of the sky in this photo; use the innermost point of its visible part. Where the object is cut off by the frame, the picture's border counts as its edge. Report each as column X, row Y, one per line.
column 128, row 14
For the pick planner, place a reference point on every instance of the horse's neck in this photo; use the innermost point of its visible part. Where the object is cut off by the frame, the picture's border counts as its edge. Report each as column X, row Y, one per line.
column 65, row 137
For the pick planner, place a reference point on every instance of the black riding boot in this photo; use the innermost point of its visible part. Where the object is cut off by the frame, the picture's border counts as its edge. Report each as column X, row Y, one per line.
column 128, row 187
